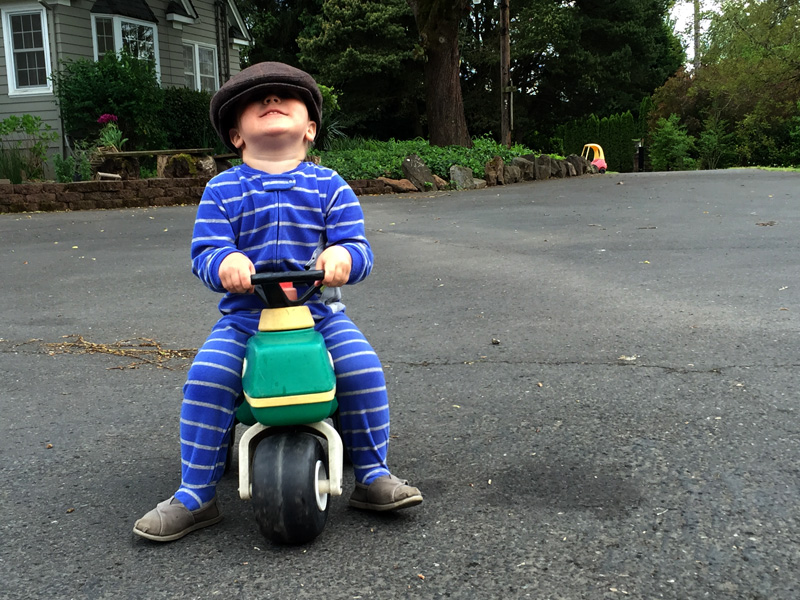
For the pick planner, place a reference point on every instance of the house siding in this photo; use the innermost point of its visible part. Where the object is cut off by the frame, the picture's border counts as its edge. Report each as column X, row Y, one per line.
column 70, row 35
column 39, row 105
column 73, row 31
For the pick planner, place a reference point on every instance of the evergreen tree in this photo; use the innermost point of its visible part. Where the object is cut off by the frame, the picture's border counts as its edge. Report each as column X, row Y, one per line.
column 276, row 26
column 365, row 50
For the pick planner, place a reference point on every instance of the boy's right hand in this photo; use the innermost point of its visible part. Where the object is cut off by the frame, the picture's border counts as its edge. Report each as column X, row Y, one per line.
column 234, row 273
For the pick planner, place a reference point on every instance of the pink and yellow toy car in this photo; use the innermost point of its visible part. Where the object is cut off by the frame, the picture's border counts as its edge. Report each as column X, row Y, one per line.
column 598, row 158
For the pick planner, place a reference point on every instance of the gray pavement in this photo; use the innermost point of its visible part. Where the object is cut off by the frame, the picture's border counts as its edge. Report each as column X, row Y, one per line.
column 632, row 431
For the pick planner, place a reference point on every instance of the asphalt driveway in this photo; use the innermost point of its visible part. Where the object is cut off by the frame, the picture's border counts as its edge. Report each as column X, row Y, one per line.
column 594, row 382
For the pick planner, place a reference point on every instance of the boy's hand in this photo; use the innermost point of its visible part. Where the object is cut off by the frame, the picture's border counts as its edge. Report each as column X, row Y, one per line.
column 336, row 262
column 235, row 271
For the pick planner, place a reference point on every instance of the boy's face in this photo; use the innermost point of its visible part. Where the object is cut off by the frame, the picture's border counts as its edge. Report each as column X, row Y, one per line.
column 273, row 115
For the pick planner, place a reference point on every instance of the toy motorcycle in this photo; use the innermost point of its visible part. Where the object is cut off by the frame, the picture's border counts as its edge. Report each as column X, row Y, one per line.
column 290, row 457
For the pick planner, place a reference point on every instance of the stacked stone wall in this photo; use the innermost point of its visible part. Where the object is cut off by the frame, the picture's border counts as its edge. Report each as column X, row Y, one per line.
column 88, row 195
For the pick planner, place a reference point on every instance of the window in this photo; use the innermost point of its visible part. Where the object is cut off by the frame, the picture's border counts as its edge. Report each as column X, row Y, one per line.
column 200, row 67
column 104, row 36
column 27, row 50
column 114, row 34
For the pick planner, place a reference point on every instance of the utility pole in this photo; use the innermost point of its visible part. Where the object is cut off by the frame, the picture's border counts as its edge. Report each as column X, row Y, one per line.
column 696, row 27
column 506, row 106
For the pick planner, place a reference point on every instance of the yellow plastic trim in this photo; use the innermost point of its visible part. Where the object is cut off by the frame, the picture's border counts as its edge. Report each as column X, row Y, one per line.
column 597, row 151
column 288, row 318
column 276, row 401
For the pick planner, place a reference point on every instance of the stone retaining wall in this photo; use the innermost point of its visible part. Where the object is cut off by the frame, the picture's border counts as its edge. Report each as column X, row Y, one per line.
column 32, row 197
column 87, row 195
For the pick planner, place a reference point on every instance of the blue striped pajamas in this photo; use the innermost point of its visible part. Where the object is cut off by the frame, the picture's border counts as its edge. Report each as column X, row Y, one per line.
column 214, row 384
column 281, row 222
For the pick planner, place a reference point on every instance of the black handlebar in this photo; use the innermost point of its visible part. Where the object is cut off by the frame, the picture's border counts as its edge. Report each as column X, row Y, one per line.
column 268, row 288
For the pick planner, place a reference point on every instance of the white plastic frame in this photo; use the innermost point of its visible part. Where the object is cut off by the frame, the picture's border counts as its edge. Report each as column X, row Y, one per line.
column 251, row 437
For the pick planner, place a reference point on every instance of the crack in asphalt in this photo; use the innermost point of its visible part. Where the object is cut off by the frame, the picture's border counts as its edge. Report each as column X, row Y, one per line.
column 12, row 347
column 610, row 363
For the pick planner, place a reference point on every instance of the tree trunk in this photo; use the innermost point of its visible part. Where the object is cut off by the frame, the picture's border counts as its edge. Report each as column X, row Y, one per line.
column 438, row 22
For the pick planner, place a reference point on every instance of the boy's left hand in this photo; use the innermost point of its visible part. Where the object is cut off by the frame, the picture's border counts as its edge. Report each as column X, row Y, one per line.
column 336, row 262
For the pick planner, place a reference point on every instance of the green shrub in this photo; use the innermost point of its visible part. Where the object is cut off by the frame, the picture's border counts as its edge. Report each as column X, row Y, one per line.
column 330, row 131
column 117, row 84
column 76, row 167
column 366, row 159
column 65, row 168
column 715, row 145
column 671, row 146
column 23, row 147
column 763, row 139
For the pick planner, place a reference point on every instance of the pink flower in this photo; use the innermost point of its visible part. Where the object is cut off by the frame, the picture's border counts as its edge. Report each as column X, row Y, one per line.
column 107, row 118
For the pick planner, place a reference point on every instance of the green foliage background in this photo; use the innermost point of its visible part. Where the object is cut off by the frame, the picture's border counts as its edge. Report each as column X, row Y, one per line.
column 743, row 99
column 584, row 71
column 364, row 159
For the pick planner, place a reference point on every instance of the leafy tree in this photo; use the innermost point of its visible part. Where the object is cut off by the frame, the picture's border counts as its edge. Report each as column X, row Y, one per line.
column 750, row 77
column 754, row 57
column 365, row 50
column 568, row 60
column 604, row 58
column 438, row 23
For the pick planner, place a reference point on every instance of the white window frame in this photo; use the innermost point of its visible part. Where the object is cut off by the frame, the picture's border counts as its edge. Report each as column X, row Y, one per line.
column 11, row 67
column 117, row 21
column 196, row 46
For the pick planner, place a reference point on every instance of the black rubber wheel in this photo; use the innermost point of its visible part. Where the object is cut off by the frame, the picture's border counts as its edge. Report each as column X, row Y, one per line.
column 287, row 469
column 602, row 171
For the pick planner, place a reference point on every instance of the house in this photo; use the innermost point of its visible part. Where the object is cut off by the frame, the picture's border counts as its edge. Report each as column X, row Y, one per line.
column 195, row 43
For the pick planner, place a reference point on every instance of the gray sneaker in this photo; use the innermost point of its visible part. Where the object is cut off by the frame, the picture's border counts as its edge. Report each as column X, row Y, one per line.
column 385, row 493
column 171, row 520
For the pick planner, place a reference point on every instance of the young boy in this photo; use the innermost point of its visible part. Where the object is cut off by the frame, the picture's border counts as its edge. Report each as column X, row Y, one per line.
column 275, row 212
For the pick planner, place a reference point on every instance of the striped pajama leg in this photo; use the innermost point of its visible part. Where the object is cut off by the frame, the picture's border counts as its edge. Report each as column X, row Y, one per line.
column 212, row 386
column 361, row 392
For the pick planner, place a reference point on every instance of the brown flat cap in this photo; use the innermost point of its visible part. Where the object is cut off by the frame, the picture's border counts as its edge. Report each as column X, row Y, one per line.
column 272, row 75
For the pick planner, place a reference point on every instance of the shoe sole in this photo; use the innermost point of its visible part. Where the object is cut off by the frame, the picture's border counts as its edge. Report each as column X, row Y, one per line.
column 404, row 503
column 180, row 534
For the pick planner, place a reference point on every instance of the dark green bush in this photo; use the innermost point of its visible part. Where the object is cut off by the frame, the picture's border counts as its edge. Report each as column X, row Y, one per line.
column 184, row 119
column 117, row 84
column 615, row 134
